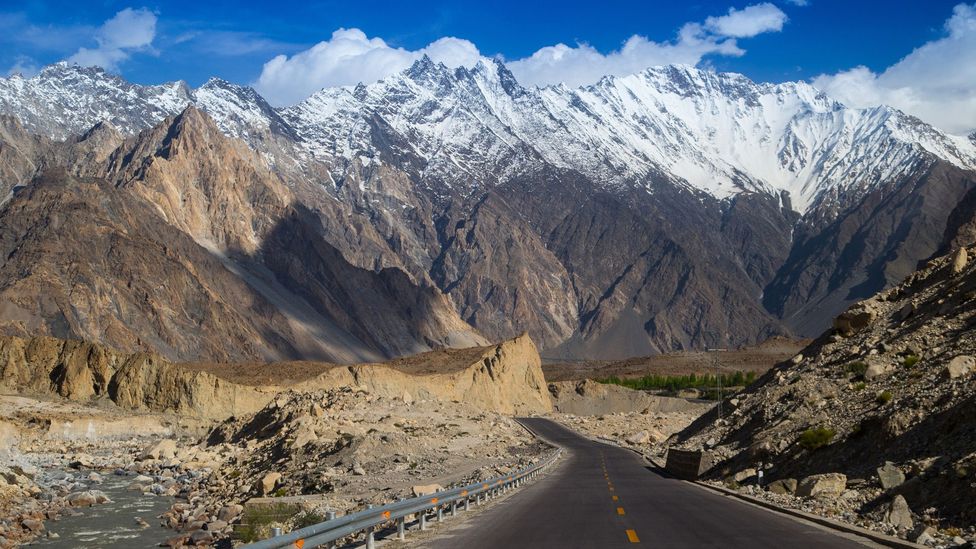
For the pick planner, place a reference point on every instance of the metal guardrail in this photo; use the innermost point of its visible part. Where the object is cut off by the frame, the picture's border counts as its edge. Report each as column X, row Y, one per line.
column 328, row 532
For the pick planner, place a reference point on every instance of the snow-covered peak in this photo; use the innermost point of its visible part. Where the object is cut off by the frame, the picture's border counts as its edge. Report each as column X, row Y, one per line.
column 720, row 133
column 65, row 99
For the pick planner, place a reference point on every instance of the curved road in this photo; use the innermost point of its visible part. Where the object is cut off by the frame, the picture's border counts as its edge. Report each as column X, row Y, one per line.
column 602, row 496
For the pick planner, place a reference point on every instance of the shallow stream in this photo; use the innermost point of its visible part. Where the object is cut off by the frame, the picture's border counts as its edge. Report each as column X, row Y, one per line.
column 110, row 524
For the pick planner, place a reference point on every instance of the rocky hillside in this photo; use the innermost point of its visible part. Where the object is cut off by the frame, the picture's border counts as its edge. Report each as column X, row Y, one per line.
column 883, row 401
column 180, row 241
column 672, row 209
column 504, row 378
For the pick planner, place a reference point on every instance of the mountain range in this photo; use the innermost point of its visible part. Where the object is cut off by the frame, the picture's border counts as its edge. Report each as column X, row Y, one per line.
column 671, row 209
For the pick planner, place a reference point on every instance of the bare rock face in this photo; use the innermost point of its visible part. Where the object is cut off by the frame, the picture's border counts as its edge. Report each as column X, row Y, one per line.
column 506, row 378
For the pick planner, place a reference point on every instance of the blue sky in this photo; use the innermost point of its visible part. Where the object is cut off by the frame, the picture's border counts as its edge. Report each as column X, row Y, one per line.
column 150, row 42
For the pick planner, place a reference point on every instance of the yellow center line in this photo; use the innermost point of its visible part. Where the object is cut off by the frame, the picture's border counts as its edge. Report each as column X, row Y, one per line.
column 632, row 536
column 615, row 498
column 620, row 511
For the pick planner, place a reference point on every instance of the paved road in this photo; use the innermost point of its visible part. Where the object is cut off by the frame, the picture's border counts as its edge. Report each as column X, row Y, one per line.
column 602, row 496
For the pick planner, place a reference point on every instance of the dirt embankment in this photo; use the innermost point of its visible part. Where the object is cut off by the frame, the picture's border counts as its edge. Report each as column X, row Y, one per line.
column 759, row 359
column 505, row 378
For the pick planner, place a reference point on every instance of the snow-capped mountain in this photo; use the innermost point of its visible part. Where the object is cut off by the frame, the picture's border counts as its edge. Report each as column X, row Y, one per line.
column 716, row 132
column 64, row 100
column 669, row 209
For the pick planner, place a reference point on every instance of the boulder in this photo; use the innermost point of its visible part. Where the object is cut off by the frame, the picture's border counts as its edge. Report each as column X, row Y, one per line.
column 924, row 535
column 87, row 498
column 164, row 449
column 857, row 317
column 268, row 483
column 783, row 486
column 960, row 366
column 744, row 475
column 876, row 369
column 426, row 489
column 959, row 260
column 201, row 537
column 639, row 437
column 890, row 476
column 899, row 514
column 229, row 512
column 827, row 485
column 33, row 525
column 216, row 526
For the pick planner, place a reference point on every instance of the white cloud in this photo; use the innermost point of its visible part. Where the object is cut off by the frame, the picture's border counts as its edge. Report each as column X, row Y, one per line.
column 24, row 66
column 350, row 57
column 583, row 64
column 748, row 22
column 936, row 82
column 129, row 30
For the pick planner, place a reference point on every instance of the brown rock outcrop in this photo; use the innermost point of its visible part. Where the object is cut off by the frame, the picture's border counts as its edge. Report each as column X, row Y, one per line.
column 505, row 378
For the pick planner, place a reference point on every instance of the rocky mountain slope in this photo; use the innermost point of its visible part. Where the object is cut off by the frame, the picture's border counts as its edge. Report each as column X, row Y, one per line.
column 180, row 241
column 666, row 210
column 884, row 399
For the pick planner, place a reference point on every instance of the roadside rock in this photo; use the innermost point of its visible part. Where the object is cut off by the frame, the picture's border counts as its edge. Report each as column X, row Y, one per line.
column 827, row 485
column 744, row 475
column 639, row 437
column 426, row 489
column 890, row 476
column 925, row 535
column 899, row 514
column 786, row 486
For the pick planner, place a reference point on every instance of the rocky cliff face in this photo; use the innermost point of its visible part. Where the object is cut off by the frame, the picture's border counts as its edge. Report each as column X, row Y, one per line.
column 885, row 396
column 247, row 273
column 504, row 378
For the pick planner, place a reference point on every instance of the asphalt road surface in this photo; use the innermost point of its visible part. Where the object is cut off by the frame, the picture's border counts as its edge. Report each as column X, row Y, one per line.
column 601, row 496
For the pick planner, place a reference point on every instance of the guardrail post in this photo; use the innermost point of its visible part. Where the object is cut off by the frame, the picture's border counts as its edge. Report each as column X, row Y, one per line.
column 275, row 532
column 370, row 536
column 454, row 508
column 467, row 500
column 423, row 520
column 440, row 513
column 401, row 528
